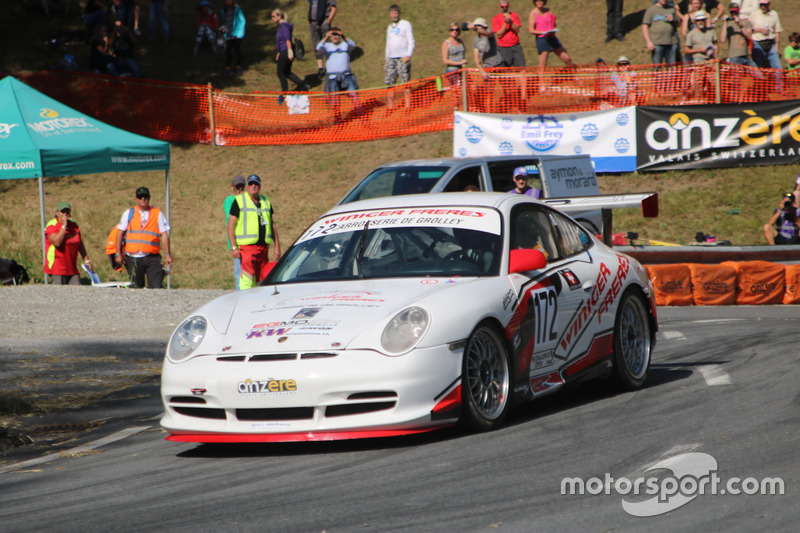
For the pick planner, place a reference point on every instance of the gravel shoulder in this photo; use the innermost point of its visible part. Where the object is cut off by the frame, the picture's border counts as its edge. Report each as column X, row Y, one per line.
column 66, row 350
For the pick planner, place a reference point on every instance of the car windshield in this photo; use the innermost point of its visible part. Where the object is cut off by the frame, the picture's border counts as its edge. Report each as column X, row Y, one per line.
column 407, row 242
column 396, row 181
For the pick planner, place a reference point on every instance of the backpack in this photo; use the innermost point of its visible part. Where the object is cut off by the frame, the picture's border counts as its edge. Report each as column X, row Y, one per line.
column 299, row 49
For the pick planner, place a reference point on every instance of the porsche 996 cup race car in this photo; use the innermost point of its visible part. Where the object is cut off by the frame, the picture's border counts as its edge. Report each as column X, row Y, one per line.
column 400, row 315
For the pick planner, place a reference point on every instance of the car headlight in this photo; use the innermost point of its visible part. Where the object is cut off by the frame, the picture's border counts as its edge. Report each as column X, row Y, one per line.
column 187, row 338
column 405, row 330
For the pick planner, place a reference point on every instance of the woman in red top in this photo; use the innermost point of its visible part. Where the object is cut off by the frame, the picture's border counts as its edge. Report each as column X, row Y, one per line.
column 63, row 245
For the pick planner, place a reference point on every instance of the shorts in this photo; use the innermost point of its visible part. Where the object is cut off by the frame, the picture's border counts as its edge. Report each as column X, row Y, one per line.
column 397, row 68
column 548, row 43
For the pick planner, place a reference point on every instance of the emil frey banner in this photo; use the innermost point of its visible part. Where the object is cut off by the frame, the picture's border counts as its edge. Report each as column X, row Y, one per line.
column 718, row 136
column 609, row 137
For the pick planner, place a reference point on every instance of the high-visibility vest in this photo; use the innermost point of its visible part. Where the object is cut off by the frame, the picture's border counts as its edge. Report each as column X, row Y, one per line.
column 145, row 239
column 250, row 217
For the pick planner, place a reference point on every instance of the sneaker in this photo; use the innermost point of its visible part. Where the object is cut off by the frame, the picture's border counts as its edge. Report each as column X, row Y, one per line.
column 320, row 72
column 280, row 99
column 137, row 31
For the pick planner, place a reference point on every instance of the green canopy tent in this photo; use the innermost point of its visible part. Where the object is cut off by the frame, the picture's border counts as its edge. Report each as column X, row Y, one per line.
column 40, row 137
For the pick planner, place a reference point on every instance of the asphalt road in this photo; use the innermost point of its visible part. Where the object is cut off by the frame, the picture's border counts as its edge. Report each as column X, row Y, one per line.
column 723, row 385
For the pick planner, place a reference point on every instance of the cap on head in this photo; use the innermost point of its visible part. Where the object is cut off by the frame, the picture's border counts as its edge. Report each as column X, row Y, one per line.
column 733, row 6
column 762, row 2
column 238, row 180
column 63, row 204
column 521, row 171
column 143, row 191
column 700, row 15
column 480, row 22
column 623, row 60
column 252, row 178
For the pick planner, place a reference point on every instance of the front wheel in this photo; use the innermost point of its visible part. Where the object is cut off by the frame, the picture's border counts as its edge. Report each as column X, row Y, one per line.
column 485, row 380
column 632, row 342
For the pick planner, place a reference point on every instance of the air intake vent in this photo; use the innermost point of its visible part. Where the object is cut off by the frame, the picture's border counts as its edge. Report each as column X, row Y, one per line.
column 357, row 408
column 285, row 413
column 273, row 357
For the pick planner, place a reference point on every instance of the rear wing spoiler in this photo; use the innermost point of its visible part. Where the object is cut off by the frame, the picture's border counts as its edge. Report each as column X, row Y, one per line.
column 648, row 201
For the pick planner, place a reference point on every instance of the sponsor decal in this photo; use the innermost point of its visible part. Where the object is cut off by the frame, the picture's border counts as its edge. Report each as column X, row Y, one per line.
column 542, row 133
column 266, row 332
column 541, row 360
column 462, row 152
column 571, row 279
column 590, row 131
column 268, row 386
column 622, row 145
column 506, row 123
column 56, row 125
column 541, row 384
column 578, row 149
column 508, row 299
column 307, row 312
column 719, row 136
column 505, row 148
column 604, row 294
column 428, row 281
column 535, row 322
column 623, row 119
column 671, row 286
column 296, row 327
column 5, row 129
column 474, row 134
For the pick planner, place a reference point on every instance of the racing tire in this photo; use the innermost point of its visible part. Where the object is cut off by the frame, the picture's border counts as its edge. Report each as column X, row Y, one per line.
column 485, row 380
column 632, row 341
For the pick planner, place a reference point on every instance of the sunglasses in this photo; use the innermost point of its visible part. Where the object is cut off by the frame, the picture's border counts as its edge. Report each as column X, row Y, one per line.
column 66, row 211
column 456, row 29
column 140, row 197
column 253, row 183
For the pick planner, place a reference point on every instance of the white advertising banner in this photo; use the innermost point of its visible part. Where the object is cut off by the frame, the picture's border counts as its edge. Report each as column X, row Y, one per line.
column 609, row 137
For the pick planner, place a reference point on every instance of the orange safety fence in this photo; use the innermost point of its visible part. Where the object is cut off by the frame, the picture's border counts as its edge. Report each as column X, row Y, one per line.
column 179, row 112
column 728, row 283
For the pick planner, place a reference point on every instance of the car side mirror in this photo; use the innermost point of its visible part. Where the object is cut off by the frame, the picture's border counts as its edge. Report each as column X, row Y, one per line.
column 525, row 259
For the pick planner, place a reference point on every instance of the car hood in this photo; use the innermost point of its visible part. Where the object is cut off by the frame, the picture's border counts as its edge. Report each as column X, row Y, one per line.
column 320, row 316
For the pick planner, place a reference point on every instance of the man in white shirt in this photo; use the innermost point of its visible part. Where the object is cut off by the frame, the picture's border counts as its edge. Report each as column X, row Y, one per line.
column 399, row 47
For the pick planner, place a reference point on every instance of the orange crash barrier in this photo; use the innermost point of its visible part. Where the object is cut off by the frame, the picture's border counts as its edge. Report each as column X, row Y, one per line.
column 728, row 283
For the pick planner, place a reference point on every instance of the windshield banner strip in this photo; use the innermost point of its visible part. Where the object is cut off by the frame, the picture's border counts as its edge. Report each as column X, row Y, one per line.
column 473, row 218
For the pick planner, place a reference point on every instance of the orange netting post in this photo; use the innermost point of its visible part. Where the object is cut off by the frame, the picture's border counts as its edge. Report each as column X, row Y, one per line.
column 759, row 282
column 713, row 284
column 672, row 283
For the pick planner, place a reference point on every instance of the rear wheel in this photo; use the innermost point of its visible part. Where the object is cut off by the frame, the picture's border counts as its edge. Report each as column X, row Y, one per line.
column 485, row 380
column 632, row 341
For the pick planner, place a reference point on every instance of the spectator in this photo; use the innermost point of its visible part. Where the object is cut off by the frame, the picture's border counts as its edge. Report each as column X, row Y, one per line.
column 123, row 42
column 748, row 7
column 701, row 42
column 484, row 47
column 237, row 186
column 96, row 14
column 614, row 20
column 64, row 242
column 542, row 24
column 336, row 48
column 737, row 32
column 158, row 12
column 506, row 26
column 660, row 32
column 792, row 52
column 783, row 226
column 766, row 36
column 453, row 51
column 101, row 53
column 146, row 233
column 251, row 230
column 207, row 27
column 285, row 55
column 233, row 26
column 687, row 15
column 521, row 186
column 128, row 13
column 624, row 80
column 714, row 8
column 399, row 47
column 320, row 18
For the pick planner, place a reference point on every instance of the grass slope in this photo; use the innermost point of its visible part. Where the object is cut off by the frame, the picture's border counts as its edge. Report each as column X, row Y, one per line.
column 303, row 181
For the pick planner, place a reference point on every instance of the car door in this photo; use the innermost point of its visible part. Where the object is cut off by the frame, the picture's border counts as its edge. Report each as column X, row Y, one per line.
column 547, row 300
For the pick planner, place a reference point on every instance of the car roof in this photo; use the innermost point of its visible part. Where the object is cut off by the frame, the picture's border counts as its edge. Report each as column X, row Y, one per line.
column 451, row 161
column 455, row 199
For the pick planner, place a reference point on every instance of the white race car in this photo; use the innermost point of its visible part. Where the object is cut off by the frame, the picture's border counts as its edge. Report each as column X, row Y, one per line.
column 400, row 315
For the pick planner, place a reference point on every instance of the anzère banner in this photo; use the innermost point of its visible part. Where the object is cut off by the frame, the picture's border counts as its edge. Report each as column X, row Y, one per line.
column 717, row 136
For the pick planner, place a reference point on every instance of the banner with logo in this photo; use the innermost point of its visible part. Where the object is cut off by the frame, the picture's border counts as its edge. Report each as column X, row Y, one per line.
column 609, row 137
column 718, row 136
